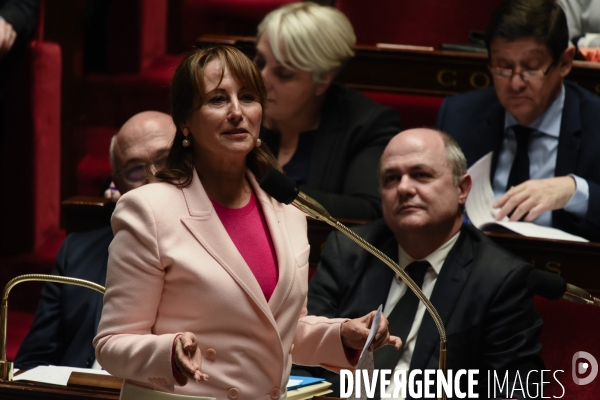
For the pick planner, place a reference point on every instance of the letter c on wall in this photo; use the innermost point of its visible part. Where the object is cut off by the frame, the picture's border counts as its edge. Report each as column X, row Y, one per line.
column 446, row 77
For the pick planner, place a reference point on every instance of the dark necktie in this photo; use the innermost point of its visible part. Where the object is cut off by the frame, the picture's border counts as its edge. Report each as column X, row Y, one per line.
column 519, row 172
column 401, row 319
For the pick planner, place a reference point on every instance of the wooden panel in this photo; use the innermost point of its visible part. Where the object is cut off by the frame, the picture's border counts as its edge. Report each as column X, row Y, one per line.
column 84, row 213
column 32, row 390
column 578, row 263
column 404, row 69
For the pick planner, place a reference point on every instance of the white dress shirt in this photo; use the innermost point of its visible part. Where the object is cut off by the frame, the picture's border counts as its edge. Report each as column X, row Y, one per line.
column 398, row 288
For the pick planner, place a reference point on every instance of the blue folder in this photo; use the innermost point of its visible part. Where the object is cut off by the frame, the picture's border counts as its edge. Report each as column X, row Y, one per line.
column 306, row 381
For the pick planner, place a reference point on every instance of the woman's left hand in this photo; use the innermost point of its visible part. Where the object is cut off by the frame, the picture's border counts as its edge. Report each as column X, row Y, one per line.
column 188, row 359
column 354, row 333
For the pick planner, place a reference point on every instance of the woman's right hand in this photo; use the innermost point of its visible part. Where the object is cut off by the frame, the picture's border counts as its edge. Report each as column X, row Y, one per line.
column 188, row 358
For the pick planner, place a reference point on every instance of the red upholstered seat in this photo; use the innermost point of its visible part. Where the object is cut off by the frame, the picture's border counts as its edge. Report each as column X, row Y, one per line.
column 30, row 234
column 424, row 22
column 414, row 110
column 18, row 326
column 32, row 151
column 94, row 168
column 568, row 328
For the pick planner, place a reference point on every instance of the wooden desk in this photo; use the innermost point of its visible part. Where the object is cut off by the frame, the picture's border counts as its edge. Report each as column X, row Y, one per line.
column 80, row 387
column 28, row 390
column 578, row 263
column 425, row 72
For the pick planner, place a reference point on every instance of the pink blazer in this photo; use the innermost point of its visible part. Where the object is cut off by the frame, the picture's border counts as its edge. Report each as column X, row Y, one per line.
column 173, row 268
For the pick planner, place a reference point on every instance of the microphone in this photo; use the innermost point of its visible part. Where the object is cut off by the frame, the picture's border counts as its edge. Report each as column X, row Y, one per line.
column 285, row 190
column 553, row 287
column 6, row 367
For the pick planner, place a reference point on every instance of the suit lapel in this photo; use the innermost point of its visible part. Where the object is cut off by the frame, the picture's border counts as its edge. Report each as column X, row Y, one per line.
column 569, row 138
column 281, row 241
column 204, row 223
column 448, row 288
column 326, row 138
column 372, row 294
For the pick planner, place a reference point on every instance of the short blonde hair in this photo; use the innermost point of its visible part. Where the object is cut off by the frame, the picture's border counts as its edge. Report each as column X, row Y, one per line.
column 309, row 37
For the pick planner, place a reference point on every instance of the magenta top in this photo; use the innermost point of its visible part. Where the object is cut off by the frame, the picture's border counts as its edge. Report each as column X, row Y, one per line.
column 248, row 229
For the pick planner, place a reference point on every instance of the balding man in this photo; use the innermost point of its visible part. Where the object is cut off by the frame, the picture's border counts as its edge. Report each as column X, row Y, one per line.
column 141, row 141
column 477, row 287
column 67, row 316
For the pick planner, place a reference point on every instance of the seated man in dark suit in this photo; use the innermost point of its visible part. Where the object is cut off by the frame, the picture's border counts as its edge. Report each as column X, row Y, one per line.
column 67, row 316
column 543, row 130
column 478, row 288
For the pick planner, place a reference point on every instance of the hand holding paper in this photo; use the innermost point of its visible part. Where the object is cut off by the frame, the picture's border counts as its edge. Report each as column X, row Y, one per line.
column 534, row 197
column 356, row 332
column 480, row 203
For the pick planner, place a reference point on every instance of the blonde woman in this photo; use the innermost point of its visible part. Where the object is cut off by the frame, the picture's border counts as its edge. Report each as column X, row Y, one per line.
column 327, row 137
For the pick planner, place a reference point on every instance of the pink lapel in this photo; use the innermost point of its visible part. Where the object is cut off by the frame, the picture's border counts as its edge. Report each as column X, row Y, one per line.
column 276, row 222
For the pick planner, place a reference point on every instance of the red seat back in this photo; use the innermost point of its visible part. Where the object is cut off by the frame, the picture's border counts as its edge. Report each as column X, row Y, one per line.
column 424, row 22
column 415, row 110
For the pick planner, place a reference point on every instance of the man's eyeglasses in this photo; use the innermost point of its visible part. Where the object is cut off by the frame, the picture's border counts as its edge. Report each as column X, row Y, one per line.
column 527, row 75
column 137, row 173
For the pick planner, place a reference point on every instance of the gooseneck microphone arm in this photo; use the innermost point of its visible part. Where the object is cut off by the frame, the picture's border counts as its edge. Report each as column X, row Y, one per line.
column 6, row 367
column 284, row 190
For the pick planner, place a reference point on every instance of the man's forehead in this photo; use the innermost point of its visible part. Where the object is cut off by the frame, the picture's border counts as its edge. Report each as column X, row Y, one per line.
column 142, row 146
column 525, row 47
column 414, row 143
column 395, row 163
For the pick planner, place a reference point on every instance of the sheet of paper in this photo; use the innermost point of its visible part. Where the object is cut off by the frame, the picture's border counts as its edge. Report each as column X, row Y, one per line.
column 480, row 199
column 482, row 214
column 372, row 333
column 365, row 362
column 54, row 375
column 293, row 382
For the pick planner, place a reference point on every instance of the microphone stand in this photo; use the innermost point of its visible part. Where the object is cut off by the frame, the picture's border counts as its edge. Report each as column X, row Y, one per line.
column 314, row 209
column 6, row 367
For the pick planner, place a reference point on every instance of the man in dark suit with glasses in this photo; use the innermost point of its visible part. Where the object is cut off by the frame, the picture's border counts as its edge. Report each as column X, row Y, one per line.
column 542, row 129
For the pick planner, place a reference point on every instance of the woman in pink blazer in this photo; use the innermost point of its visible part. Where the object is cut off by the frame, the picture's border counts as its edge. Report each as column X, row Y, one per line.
column 207, row 274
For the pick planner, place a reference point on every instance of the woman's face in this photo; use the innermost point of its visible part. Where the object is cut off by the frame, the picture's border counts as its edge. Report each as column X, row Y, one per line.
column 228, row 121
column 289, row 90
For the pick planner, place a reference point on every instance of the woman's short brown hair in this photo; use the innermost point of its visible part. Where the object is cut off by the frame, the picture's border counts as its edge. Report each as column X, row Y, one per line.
column 187, row 96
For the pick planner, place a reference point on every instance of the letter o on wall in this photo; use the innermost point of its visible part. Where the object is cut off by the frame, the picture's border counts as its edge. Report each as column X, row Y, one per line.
column 479, row 80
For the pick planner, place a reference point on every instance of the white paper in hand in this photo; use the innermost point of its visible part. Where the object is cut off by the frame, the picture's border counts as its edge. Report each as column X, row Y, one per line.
column 365, row 362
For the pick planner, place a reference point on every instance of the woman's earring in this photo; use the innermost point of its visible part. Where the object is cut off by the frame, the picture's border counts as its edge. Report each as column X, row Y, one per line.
column 258, row 142
column 186, row 142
